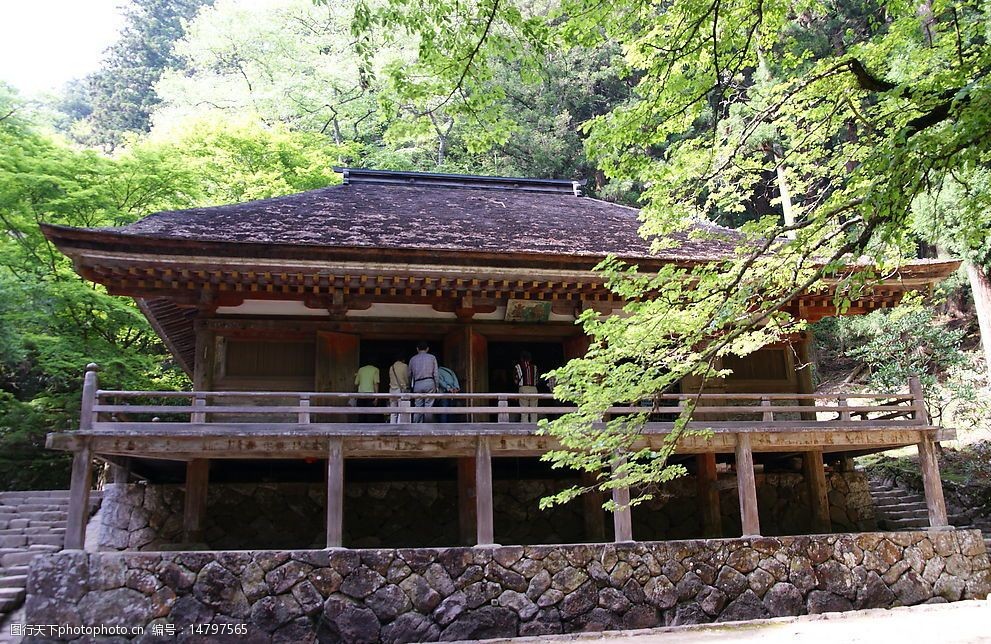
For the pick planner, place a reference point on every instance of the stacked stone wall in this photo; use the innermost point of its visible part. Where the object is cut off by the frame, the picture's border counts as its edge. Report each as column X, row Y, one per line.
column 424, row 513
column 474, row 593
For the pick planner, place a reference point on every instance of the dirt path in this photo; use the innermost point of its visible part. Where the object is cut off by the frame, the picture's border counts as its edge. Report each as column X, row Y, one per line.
column 966, row 622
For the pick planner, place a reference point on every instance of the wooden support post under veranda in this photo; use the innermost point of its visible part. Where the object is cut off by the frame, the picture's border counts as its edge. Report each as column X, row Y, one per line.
column 928, row 464
column 485, row 526
column 335, row 493
column 622, row 517
column 78, row 515
column 746, row 486
column 814, row 472
column 197, row 481
column 708, row 495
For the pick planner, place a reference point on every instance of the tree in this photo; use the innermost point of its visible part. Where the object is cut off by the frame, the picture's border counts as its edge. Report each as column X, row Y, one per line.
column 288, row 62
column 869, row 119
column 122, row 94
column 52, row 322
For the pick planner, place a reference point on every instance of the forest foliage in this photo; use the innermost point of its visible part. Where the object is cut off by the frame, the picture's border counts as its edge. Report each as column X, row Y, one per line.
column 849, row 128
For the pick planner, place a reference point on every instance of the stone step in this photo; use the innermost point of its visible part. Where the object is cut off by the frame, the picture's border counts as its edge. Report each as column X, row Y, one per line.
column 13, row 581
column 902, row 498
column 896, row 496
column 46, row 540
column 28, row 509
column 27, row 531
column 16, row 503
column 48, row 524
column 901, row 524
column 21, row 557
column 904, row 514
column 902, row 505
column 22, row 494
column 38, row 548
column 11, row 598
column 13, row 541
column 15, row 571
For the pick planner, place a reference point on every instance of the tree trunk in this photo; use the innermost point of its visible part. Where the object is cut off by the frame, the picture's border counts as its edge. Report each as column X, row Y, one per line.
column 980, row 284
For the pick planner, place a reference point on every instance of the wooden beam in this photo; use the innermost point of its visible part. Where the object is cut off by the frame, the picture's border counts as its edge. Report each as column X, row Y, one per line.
column 335, row 493
column 466, row 500
column 180, row 441
column 708, row 495
column 622, row 518
column 78, row 515
column 932, row 483
column 197, row 478
column 814, row 471
column 592, row 512
column 746, row 486
column 485, row 527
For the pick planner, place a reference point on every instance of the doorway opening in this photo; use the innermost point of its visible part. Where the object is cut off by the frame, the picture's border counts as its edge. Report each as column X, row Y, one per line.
column 382, row 353
column 504, row 355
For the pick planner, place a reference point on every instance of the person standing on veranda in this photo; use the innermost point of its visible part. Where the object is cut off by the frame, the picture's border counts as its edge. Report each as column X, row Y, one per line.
column 447, row 383
column 366, row 381
column 422, row 377
column 398, row 383
column 526, row 380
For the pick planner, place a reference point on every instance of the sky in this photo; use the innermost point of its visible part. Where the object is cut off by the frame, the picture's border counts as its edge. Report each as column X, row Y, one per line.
column 44, row 43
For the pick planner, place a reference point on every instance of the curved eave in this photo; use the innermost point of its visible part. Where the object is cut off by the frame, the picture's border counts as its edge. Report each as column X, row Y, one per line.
column 75, row 241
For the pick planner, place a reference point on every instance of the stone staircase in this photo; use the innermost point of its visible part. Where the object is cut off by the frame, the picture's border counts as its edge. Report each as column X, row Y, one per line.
column 31, row 523
column 900, row 509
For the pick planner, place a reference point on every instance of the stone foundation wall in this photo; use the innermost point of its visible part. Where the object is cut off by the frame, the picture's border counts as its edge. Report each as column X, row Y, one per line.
column 472, row 593
column 424, row 513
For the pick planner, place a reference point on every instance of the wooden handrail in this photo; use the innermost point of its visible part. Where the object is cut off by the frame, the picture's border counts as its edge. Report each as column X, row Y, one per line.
column 103, row 409
column 467, row 396
column 765, row 410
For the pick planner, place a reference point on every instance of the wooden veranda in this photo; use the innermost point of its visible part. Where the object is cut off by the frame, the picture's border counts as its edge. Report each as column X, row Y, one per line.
column 197, row 426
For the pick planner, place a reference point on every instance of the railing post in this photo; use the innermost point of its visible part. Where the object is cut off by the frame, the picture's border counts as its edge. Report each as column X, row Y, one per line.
column 841, row 401
column 91, row 384
column 198, row 416
column 768, row 416
column 404, row 416
column 919, row 401
column 503, row 416
column 304, row 416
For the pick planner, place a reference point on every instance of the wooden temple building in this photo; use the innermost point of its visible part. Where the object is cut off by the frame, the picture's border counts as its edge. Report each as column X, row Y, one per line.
column 271, row 306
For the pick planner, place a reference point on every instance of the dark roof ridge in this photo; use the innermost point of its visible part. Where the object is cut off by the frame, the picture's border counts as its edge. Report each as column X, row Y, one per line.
column 446, row 180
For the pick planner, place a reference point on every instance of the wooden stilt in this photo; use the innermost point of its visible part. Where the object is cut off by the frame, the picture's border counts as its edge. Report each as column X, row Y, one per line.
column 927, row 460
column 622, row 518
column 932, row 483
column 335, row 493
column 121, row 471
column 485, row 528
column 197, row 479
column 708, row 495
column 747, row 486
column 592, row 512
column 78, row 515
column 815, row 478
column 466, row 500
